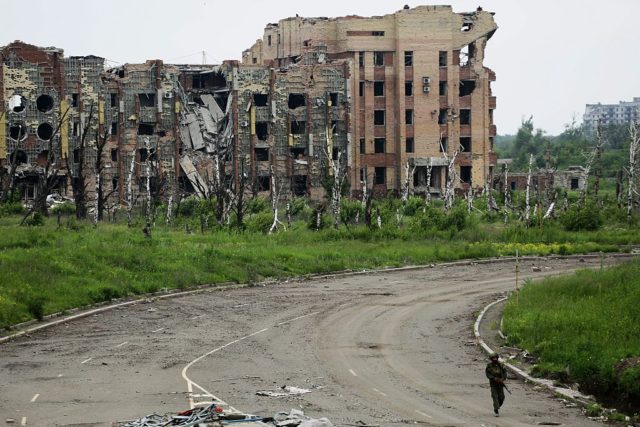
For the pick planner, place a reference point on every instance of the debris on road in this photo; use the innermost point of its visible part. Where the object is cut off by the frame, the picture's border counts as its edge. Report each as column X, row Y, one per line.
column 214, row 415
column 283, row 391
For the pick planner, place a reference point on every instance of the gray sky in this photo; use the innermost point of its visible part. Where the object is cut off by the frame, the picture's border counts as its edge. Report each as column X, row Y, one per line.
column 551, row 57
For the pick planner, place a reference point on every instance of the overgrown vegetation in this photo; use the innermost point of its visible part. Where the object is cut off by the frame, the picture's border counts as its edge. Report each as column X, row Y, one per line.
column 60, row 262
column 584, row 328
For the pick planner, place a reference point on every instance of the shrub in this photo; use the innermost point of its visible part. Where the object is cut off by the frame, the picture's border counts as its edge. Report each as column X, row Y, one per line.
column 456, row 218
column 257, row 205
column 35, row 305
column 65, row 208
column 35, row 219
column 12, row 208
column 259, row 222
column 188, row 207
column 578, row 218
column 104, row 293
column 349, row 210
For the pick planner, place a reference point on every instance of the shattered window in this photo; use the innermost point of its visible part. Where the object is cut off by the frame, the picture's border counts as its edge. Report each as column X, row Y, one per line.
column 147, row 99
column 17, row 103
column 378, row 88
column 380, row 175
column 44, row 103
column 442, row 116
column 297, row 100
column 408, row 115
column 45, row 131
column 408, row 88
column 465, row 174
column 361, row 59
column 443, row 88
column 363, row 146
column 467, row 87
column 442, row 58
column 263, row 182
column 409, row 145
column 379, row 117
column 408, row 58
column 260, row 99
column 262, row 130
column 114, row 99
column 465, row 117
column 380, row 145
column 378, row 59
column 114, row 154
column 145, row 129
column 17, row 131
column 361, row 89
column 298, row 127
column 114, row 183
column 465, row 144
column 444, row 144
column 262, row 154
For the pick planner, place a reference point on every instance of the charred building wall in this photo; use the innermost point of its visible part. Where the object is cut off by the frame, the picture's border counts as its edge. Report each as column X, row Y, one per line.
column 419, row 85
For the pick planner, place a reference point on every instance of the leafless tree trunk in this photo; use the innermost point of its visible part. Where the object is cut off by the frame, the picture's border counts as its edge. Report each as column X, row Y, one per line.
column 275, row 196
column 407, row 181
column 148, row 183
column 634, row 145
column 598, row 159
column 129, row 189
column 449, row 192
column 96, row 209
column 469, row 200
column 527, row 207
column 427, row 194
column 336, row 188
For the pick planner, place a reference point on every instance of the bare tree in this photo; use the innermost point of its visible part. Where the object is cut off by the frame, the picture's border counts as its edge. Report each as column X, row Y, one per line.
column 48, row 179
column 100, row 198
column 449, row 191
column 632, row 185
column 597, row 159
column 427, row 194
column 130, row 200
column 507, row 193
column 79, row 182
column 275, row 196
column 336, row 187
column 409, row 171
column 527, row 206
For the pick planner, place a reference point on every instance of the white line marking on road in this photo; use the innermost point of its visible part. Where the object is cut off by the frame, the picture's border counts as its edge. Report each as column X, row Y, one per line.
column 379, row 392
column 122, row 343
column 298, row 318
column 24, row 421
column 423, row 414
column 197, row 317
column 33, row 399
column 191, row 384
column 157, row 330
column 85, row 361
column 353, row 372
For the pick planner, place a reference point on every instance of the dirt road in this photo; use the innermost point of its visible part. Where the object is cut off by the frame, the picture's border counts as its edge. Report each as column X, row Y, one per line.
column 383, row 349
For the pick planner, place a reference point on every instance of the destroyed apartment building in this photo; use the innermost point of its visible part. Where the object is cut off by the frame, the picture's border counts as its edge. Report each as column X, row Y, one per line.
column 377, row 93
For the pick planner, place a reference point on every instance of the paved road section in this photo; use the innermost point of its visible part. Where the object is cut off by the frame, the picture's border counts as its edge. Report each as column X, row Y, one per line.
column 382, row 349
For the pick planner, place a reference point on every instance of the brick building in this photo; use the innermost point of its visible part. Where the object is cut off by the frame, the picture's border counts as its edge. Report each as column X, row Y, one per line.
column 419, row 85
column 376, row 93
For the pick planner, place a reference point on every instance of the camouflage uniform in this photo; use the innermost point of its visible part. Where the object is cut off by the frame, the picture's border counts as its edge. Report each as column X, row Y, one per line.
column 497, row 373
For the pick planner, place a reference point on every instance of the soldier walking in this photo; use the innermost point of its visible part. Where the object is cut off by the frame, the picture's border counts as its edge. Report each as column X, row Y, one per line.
column 497, row 373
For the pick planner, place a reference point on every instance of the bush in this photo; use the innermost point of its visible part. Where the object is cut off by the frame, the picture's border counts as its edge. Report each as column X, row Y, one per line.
column 259, row 222
column 188, row 207
column 257, row 205
column 35, row 305
column 349, row 210
column 586, row 218
column 104, row 293
column 35, row 219
column 66, row 208
column 456, row 218
column 12, row 208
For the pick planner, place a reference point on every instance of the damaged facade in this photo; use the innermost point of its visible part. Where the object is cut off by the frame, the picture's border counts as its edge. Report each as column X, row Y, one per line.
column 376, row 93
column 418, row 87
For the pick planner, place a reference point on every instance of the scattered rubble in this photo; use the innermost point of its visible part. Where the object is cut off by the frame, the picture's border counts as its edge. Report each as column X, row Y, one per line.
column 283, row 391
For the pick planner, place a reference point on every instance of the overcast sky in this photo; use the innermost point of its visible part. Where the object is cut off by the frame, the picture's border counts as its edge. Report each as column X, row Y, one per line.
column 551, row 57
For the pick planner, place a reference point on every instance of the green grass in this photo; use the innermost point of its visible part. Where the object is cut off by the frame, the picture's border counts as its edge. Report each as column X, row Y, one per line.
column 48, row 269
column 581, row 327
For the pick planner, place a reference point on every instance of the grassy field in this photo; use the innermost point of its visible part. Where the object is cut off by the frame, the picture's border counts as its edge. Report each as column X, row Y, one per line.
column 584, row 328
column 51, row 268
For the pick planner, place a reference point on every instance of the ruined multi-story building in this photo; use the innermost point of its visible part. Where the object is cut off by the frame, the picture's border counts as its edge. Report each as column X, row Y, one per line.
column 378, row 94
column 419, row 88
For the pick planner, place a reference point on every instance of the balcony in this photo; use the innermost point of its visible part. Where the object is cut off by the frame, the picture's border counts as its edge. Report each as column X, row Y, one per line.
column 492, row 102
column 492, row 130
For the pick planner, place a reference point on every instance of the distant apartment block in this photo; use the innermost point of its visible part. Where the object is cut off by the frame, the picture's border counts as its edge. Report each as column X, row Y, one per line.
column 619, row 114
